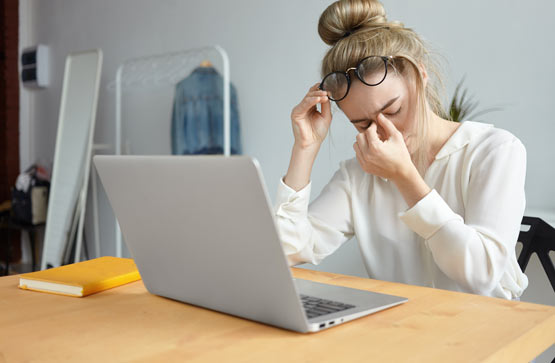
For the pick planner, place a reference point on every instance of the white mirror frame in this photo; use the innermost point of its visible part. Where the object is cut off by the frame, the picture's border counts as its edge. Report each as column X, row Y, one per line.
column 70, row 173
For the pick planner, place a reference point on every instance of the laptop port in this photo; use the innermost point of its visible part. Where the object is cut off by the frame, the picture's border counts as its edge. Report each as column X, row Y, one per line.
column 331, row 322
column 322, row 325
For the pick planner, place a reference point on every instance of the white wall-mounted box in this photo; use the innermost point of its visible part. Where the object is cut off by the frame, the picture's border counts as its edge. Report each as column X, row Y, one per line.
column 34, row 66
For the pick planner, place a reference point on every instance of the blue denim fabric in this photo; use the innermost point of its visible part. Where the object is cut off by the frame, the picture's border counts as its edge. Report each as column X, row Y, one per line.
column 197, row 116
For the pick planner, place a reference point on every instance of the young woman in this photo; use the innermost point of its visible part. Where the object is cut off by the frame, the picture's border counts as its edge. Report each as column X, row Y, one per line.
column 430, row 201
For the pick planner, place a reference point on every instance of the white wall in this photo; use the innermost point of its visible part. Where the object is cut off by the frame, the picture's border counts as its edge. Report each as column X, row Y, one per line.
column 503, row 47
column 273, row 48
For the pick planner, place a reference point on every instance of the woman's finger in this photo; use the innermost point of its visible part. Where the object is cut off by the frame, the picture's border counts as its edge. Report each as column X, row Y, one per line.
column 326, row 108
column 362, row 141
column 309, row 102
column 317, row 93
column 302, row 108
column 358, row 153
column 314, row 87
column 372, row 134
column 387, row 125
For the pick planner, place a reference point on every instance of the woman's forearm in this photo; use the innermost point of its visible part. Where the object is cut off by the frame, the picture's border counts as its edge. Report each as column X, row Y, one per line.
column 412, row 186
column 300, row 166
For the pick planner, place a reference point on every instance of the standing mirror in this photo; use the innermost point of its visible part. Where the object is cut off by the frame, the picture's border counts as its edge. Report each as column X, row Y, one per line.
column 66, row 205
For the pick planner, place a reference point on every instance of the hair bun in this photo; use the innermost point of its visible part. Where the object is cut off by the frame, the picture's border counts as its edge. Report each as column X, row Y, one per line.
column 345, row 16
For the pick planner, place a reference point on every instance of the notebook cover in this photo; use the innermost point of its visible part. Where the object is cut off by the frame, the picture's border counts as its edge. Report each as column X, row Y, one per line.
column 93, row 275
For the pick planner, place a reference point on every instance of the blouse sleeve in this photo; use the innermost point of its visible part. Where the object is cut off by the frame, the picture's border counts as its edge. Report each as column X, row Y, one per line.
column 309, row 233
column 475, row 251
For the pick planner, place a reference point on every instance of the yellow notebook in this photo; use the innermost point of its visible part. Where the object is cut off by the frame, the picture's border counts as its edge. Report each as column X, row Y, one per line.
column 82, row 278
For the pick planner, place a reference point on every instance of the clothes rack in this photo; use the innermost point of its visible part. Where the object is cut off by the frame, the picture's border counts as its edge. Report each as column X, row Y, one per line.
column 164, row 69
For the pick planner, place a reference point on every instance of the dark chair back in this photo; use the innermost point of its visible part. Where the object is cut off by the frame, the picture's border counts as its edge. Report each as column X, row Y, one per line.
column 539, row 239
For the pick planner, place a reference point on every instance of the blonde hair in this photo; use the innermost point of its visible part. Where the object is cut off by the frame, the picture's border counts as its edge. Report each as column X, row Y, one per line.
column 359, row 28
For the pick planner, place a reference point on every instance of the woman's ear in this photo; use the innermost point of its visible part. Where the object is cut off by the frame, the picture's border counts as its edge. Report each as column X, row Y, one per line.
column 423, row 73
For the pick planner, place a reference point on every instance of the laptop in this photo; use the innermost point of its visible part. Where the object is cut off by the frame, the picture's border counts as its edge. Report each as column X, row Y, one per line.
column 201, row 231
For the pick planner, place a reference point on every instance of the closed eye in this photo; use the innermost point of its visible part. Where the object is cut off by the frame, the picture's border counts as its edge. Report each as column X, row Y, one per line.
column 370, row 121
column 367, row 126
column 394, row 113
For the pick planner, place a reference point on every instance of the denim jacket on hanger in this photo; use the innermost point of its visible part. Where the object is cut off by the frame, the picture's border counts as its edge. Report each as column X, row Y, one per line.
column 197, row 116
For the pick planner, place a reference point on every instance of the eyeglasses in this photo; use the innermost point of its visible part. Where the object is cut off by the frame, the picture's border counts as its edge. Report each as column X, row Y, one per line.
column 371, row 71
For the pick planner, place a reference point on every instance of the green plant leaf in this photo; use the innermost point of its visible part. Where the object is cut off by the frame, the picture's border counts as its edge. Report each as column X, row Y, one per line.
column 463, row 107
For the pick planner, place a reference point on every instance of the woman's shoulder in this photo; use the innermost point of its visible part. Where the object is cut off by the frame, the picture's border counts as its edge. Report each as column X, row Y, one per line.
column 350, row 164
column 486, row 138
column 350, row 170
column 351, row 167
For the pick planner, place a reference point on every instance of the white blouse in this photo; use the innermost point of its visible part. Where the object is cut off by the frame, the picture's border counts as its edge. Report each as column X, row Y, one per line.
column 461, row 236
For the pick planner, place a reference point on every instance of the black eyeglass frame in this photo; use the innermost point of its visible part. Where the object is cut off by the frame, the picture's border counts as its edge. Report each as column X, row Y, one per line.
column 356, row 69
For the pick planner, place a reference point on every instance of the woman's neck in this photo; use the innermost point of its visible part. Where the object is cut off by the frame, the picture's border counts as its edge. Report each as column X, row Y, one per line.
column 440, row 131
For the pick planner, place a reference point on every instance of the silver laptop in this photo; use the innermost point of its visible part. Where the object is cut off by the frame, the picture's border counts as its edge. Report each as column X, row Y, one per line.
column 201, row 230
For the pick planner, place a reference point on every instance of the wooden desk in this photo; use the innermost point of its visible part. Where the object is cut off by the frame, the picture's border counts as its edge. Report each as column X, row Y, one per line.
column 129, row 324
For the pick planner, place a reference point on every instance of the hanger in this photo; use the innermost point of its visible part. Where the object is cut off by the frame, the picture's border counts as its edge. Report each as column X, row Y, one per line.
column 206, row 63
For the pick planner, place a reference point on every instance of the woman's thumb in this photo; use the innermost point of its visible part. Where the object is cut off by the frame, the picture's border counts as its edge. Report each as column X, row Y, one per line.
column 326, row 109
column 387, row 125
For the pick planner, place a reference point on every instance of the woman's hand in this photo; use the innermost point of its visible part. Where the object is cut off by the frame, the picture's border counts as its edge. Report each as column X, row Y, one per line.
column 388, row 158
column 310, row 127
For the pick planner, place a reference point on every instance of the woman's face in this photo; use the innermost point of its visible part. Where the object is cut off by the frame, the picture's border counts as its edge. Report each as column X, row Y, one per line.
column 394, row 97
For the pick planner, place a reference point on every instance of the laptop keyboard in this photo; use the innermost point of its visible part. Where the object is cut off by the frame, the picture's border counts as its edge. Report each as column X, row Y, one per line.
column 315, row 306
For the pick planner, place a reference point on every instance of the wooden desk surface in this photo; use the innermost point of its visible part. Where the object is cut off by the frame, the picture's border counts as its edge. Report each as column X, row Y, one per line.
column 129, row 324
